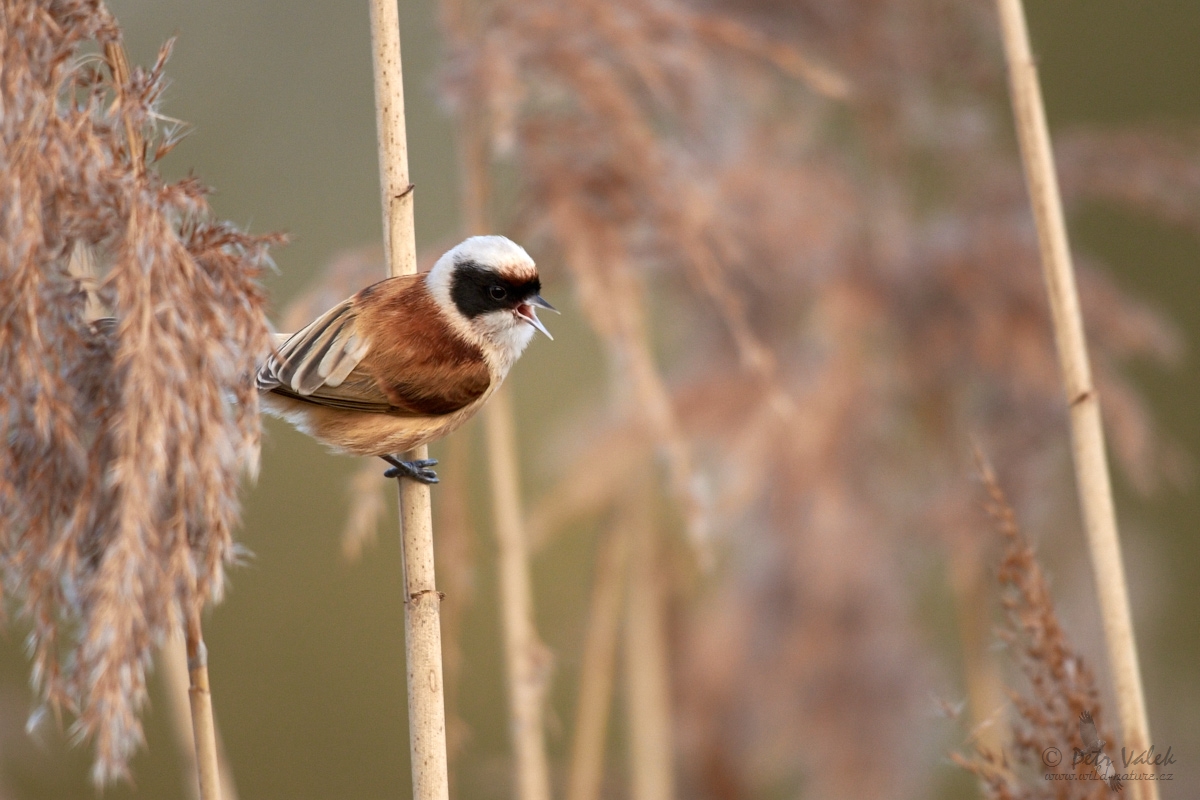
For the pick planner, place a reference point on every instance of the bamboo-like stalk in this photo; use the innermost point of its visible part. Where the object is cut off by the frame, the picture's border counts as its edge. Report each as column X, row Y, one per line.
column 524, row 653
column 455, row 536
column 598, row 663
column 173, row 664
column 647, row 678
column 1087, row 434
column 525, row 656
column 204, row 728
column 422, row 624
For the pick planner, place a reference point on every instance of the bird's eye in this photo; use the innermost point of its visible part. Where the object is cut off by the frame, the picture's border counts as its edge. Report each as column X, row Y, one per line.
column 498, row 292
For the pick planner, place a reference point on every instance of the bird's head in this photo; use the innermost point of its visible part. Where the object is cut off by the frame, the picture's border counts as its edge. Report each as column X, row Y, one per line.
column 488, row 287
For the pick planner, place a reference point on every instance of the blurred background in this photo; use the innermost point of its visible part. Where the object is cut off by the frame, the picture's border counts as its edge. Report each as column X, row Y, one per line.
column 814, row 631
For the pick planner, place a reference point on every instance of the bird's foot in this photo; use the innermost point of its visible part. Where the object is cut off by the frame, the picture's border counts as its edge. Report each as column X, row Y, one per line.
column 415, row 470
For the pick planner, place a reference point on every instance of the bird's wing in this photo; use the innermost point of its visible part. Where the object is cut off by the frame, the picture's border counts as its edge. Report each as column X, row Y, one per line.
column 409, row 371
column 315, row 362
column 1087, row 730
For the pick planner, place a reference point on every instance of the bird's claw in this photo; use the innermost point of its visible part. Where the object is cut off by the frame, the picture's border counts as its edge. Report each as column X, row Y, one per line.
column 414, row 470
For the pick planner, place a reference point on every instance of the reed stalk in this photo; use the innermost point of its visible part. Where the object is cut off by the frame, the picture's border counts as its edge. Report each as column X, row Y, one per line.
column 525, row 656
column 524, row 653
column 173, row 665
column 204, row 728
column 422, row 613
column 599, row 662
column 1087, row 434
column 647, row 673
column 455, row 544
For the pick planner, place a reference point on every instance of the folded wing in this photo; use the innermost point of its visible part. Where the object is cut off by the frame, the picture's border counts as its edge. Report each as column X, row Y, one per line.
column 332, row 362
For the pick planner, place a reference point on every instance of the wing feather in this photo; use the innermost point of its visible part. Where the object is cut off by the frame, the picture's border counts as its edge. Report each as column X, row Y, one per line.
column 338, row 370
column 315, row 364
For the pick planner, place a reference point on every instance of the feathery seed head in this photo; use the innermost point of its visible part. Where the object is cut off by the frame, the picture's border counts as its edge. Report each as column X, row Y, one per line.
column 122, row 454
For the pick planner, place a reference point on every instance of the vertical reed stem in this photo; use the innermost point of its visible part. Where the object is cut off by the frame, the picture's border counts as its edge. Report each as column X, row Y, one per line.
column 204, row 729
column 523, row 652
column 173, row 665
column 1087, row 434
column 525, row 656
column 647, row 678
column 599, row 662
column 422, row 624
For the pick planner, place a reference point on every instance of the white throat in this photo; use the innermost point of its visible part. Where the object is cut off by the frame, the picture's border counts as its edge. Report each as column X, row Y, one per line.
column 507, row 335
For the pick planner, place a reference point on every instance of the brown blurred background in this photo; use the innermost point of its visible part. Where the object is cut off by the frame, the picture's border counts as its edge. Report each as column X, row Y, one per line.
column 306, row 651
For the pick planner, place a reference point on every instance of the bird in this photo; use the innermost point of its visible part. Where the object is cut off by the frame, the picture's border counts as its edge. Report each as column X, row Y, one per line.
column 408, row 360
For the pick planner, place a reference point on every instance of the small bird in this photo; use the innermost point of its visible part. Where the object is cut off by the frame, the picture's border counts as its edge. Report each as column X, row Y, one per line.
column 408, row 360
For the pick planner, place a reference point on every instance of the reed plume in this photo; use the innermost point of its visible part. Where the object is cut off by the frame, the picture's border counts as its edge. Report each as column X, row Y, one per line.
column 124, row 440
column 1060, row 687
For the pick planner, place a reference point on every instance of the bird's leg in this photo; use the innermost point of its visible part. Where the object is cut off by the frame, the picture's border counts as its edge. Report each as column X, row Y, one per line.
column 415, row 470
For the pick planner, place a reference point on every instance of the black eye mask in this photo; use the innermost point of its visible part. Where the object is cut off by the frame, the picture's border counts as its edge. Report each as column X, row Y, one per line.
column 476, row 290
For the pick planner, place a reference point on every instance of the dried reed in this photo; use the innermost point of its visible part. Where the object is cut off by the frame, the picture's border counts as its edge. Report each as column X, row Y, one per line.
column 1087, row 433
column 172, row 664
column 647, row 666
column 598, row 659
column 123, row 453
column 204, row 726
column 422, row 628
column 527, row 659
column 456, row 547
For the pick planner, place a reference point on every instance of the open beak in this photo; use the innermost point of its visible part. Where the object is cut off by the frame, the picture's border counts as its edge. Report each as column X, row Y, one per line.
column 526, row 312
